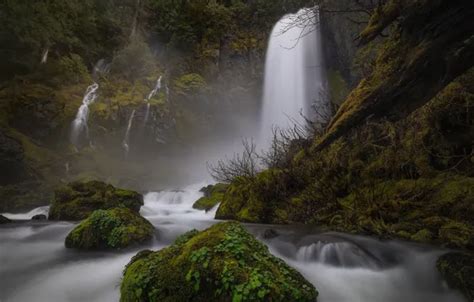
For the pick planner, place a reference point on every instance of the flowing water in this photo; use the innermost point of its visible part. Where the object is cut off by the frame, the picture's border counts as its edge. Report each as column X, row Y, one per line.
column 293, row 74
column 37, row 267
column 126, row 139
column 79, row 125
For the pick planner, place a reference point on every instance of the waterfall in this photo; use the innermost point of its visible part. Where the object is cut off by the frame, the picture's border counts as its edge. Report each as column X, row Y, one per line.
column 293, row 73
column 79, row 125
column 152, row 93
column 155, row 90
column 126, row 139
column 44, row 57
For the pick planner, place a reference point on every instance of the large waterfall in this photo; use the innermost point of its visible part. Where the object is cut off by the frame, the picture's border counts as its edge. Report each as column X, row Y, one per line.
column 293, row 73
column 79, row 125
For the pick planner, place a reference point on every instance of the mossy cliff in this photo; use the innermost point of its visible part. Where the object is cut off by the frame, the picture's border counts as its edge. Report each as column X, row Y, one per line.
column 431, row 45
column 116, row 228
column 222, row 263
column 78, row 200
column 384, row 167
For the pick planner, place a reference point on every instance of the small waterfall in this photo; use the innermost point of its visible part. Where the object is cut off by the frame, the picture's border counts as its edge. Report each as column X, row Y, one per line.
column 126, row 139
column 152, row 93
column 155, row 90
column 167, row 94
column 341, row 254
column 79, row 125
column 293, row 73
column 44, row 57
column 147, row 114
column 101, row 68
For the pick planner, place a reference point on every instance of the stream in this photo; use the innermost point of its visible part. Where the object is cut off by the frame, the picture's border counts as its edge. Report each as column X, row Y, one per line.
column 37, row 267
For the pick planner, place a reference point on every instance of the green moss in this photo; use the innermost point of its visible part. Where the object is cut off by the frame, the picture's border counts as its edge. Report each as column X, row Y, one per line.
column 222, row 263
column 422, row 236
column 78, row 200
column 213, row 194
column 338, row 88
column 110, row 229
column 458, row 271
column 189, row 84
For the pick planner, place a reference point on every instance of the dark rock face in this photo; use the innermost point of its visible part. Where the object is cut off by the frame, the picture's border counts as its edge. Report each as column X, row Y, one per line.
column 11, row 160
column 222, row 263
column 39, row 217
column 4, row 219
column 110, row 229
column 78, row 200
column 432, row 45
column 458, row 271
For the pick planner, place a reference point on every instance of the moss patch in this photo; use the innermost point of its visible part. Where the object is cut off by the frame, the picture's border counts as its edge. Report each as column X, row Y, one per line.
column 110, row 229
column 222, row 263
column 213, row 194
column 78, row 200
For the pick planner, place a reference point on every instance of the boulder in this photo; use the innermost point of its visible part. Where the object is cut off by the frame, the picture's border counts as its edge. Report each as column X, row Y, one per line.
column 213, row 194
column 110, row 229
column 4, row 219
column 458, row 271
column 77, row 200
column 39, row 217
column 222, row 263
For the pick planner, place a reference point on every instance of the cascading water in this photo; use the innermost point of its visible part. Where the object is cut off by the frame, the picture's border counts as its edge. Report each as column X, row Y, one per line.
column 152, row 93
column 344, row 268
column 293, row 74
column 79, row 125
column 126, row 139
column 156, row 89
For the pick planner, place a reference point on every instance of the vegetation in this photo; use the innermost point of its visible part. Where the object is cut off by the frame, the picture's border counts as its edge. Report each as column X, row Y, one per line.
column 78, row 200
column 213, row 194
column 223, row 263
column 116, row 228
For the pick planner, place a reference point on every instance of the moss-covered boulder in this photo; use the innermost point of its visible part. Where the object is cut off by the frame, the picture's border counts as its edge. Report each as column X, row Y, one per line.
column 222, row 263
column 4, row 219
column 78, row 200
column 458, row 271
column 110, row 229
column 213, row 194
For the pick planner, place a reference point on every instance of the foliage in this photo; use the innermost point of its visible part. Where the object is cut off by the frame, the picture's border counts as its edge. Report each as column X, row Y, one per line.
column 222, row 263
column 134, row 61
column 110, row 229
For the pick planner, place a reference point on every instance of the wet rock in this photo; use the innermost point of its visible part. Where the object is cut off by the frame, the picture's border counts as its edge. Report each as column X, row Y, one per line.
column 78, row 200
column 224, row 262
column 39, row 217
column 458, row 271
column 270, row 234
column 110, row 229
column 4, row 219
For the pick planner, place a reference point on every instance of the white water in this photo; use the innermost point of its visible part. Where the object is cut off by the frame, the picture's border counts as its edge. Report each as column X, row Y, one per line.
column 79, row 125
column 156, row 89
column 293, row 75
column 126, row 139
column 35, row 265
